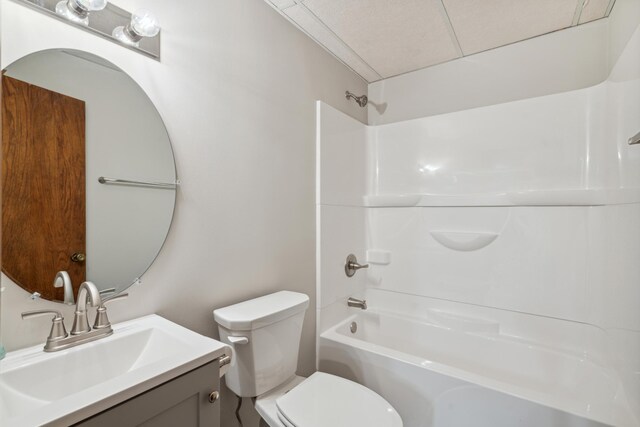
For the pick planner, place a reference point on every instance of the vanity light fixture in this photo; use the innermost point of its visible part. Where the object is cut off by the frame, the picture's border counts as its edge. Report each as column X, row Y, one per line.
column 139, row 32
column 143, row 24
column 78, row 10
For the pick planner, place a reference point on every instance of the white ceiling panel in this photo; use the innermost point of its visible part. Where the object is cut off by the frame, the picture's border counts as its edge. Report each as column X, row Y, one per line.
column 593, row 9
column 321, row 34
column 384, row 38
column 391, row 36
column 282, row 4
column 486, row 24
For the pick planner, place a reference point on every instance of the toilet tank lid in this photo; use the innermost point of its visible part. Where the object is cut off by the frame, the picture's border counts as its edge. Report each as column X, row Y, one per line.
column 259, row 312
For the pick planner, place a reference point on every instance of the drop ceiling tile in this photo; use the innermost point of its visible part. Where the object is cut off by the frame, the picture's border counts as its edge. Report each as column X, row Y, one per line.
column 282, row 4
column 485, row 24
column 314, row 28
column 593, row 9
column 393, row 37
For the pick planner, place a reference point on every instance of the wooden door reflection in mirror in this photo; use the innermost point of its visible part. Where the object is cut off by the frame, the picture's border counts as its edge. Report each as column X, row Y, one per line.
column 43, row 186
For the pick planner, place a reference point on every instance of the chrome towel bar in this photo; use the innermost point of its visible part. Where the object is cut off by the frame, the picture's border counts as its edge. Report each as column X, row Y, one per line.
column 166, row 185
column 635, row 139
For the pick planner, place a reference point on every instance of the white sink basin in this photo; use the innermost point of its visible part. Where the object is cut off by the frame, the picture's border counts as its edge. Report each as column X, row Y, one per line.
column 37, row 388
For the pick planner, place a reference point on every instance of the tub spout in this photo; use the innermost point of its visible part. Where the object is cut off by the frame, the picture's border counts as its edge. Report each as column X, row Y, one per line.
column 358, row 303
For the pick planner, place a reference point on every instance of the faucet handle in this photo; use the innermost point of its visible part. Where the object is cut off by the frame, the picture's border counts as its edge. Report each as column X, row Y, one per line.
column 352, row 265
column 108, row 291
column 58, row 331
column 102, row 320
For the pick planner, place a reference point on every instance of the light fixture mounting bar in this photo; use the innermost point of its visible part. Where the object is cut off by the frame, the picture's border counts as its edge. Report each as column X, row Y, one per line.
column 101, row 24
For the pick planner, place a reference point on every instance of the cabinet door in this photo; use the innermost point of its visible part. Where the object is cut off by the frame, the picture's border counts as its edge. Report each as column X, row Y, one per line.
column 183, row 401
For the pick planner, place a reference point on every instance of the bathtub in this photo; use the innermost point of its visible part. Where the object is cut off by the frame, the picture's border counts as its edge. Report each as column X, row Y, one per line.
column 439, row 376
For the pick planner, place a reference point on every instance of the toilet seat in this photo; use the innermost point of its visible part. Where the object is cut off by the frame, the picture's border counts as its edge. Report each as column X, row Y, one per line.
column 327, row 400
column 284, row 420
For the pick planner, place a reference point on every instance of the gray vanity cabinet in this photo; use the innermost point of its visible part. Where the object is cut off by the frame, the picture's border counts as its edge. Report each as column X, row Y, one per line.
column 184, row 401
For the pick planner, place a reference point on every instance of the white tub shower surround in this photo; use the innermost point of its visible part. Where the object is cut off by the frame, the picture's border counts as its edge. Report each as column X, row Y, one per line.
column 503, row 246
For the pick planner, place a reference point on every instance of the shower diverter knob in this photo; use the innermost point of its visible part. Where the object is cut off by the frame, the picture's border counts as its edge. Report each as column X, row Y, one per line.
column 351, row 265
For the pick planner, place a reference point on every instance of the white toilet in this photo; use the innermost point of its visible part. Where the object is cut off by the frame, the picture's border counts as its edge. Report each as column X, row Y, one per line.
column 265, row 335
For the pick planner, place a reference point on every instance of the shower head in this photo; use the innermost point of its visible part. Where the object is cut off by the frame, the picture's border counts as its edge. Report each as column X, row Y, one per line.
column 361, row 100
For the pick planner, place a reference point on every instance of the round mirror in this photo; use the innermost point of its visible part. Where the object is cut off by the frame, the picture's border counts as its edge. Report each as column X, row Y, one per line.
column 88, row 175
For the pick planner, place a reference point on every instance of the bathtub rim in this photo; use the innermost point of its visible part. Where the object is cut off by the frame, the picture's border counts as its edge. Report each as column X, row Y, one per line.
column 616, row 413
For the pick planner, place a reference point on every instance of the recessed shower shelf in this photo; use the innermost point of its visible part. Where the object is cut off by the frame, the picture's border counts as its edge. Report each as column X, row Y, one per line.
column 572, row 197
column 464, row 241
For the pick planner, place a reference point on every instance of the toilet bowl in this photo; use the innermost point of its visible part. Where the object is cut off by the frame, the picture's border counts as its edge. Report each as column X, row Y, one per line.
column 265, row 336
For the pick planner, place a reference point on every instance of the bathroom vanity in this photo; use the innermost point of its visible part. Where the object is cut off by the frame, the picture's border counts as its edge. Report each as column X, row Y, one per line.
column 150, row 370
column 189, row 400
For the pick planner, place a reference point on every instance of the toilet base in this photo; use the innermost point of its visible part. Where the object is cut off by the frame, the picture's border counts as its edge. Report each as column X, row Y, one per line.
column 266, row 403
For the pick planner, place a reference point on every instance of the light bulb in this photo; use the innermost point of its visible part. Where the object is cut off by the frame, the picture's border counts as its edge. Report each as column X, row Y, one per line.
column 143, row 24
column 78, row 10
column 92, row 5
column 121, row 34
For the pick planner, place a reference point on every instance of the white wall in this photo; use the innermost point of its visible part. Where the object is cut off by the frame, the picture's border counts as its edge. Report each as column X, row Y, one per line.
column 566, row 60
column 236, row 89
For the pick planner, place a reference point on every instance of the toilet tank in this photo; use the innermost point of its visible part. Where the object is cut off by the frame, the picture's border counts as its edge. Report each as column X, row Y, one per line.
column 265, row 336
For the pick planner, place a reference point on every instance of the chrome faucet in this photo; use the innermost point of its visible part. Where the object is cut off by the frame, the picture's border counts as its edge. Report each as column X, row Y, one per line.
column 357, row 303
column 87, row 292
column 81, row 332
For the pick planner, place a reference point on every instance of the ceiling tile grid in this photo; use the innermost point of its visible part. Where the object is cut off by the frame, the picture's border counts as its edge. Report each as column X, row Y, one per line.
column 321, row 34
column 483, row 25
column 593, row 9
column 384, row 38
column 391, row 36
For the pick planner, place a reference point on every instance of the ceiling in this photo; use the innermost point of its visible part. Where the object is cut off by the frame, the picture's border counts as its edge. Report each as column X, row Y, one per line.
column 384, row 38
